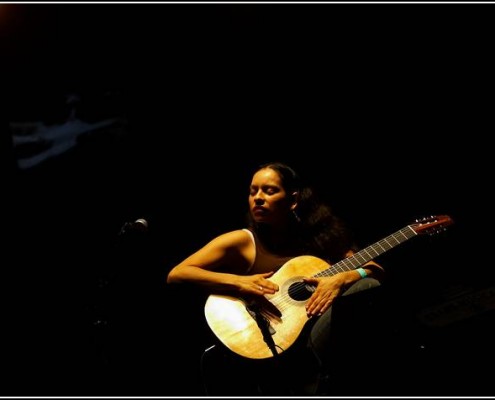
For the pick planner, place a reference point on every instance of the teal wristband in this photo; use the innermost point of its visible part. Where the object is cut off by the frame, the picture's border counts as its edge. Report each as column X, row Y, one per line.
column 362, row 272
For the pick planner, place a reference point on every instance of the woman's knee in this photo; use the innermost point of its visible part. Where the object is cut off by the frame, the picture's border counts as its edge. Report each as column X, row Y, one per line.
column 362, row 284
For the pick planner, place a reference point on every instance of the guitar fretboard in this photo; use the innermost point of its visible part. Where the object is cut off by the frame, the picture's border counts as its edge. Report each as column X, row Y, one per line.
column 370, row 252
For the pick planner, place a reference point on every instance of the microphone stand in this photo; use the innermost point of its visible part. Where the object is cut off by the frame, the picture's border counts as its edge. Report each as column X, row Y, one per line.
column 264, row 324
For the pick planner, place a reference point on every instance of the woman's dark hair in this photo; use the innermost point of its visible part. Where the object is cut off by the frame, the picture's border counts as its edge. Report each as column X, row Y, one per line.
column 315, row 229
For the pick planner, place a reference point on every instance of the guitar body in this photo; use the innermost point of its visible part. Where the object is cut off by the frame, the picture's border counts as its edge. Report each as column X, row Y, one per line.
column 237, row 329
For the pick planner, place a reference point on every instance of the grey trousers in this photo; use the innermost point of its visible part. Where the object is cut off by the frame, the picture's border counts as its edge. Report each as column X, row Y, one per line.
column 320, row 333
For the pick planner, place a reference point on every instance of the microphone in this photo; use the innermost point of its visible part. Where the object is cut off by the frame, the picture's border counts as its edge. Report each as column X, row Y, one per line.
column 140, row 225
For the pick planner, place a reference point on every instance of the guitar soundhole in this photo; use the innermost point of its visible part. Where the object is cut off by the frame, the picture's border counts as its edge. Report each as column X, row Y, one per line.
column 299, row 291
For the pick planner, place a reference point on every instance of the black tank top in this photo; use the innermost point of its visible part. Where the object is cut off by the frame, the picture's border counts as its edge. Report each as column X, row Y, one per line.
column 264, row 261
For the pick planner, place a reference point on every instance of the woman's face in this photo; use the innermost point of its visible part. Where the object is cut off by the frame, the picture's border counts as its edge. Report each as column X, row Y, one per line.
column 268, row 201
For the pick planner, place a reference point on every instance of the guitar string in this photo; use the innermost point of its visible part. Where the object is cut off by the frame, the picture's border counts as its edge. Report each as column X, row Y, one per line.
column 349, row 263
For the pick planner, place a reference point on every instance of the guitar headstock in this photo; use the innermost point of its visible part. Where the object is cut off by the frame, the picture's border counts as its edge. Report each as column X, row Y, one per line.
column 432, row 225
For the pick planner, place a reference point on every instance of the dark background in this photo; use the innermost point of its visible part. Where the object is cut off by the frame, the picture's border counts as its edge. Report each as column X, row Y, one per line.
column 386, row 108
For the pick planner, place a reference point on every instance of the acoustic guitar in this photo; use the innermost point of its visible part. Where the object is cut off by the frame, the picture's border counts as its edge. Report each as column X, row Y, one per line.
column 266, row 328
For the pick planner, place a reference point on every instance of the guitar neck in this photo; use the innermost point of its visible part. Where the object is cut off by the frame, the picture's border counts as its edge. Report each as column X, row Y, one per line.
column 369, row 253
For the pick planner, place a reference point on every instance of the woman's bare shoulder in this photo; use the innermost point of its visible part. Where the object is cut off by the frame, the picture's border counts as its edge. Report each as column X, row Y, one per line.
column 238, row 237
